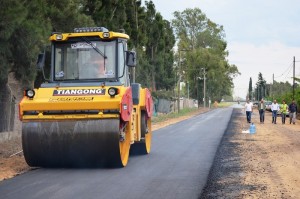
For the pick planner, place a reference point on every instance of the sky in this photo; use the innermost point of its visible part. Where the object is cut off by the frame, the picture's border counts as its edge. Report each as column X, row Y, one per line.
column 262, row 35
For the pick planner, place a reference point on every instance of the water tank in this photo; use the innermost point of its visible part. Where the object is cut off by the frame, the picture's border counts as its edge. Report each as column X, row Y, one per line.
column 252, row 129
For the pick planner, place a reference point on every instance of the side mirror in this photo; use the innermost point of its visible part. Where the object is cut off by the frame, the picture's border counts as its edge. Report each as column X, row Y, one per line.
column 40, row 61
column 131, row 58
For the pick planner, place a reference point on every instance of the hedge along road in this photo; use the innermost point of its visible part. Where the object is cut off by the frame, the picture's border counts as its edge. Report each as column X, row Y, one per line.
column 177, row 167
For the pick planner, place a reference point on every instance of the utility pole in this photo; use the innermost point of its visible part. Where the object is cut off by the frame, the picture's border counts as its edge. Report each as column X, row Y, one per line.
column 294, row 78
column 178, row 85
column 204, row 88
column 188, row 90
column 179, row 78
column 197, row 82
column 137, row 28
column 273, row 87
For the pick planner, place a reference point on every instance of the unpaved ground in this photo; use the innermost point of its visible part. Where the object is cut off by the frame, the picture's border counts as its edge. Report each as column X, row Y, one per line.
column 271, row 159
column 263, row 165
column 10, row 164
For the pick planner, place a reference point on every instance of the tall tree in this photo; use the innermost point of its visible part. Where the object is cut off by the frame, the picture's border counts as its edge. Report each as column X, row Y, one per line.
column 65, row 15
column 158, row 43
column 151, row 36
column 13, row 13
column 281, row 88
column 250, row 89
column 30, row 38
column 24, row 30
column 260, row 91
column 108, row 13
column 202, row 44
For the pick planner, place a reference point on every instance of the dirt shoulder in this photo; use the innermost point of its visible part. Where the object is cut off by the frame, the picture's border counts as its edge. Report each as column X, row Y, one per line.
column 272, row 158
column 263, row 165
column 12, row 161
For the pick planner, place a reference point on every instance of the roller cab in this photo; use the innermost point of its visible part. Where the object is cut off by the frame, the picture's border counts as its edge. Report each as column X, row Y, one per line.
column 87, row 113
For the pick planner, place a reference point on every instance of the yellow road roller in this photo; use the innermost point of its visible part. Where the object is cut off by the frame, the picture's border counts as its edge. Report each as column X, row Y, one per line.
column 87, row 113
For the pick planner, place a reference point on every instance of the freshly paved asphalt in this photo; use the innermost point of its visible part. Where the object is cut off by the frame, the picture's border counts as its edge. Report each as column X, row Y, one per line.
column 177, row 167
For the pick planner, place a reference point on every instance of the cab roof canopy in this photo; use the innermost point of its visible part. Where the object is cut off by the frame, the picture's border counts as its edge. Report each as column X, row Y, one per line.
column 101, row 32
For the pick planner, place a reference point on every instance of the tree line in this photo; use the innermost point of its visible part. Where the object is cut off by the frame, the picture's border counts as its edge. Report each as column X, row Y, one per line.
column 275, row 90
column 25, row 26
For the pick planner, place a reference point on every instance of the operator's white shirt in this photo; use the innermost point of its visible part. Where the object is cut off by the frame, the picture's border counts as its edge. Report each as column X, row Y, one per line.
column 248, row 106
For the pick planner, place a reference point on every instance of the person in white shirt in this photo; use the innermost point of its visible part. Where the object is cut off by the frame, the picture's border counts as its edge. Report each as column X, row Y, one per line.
column 274, row 108
column 248, row 109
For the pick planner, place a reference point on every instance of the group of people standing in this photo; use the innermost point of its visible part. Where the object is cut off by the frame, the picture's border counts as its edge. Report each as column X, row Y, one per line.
column 285, row 109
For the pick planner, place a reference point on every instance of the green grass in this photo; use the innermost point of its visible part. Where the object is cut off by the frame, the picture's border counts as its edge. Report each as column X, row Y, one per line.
column 225, row 104
column 183, row 112
column 164, row 117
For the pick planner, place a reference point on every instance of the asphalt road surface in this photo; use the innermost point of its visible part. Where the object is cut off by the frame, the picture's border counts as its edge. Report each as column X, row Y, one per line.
column 177, row 167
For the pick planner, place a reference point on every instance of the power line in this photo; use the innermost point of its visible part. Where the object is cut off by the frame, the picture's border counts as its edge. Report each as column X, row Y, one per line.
column 288, row 68
column 288, row 72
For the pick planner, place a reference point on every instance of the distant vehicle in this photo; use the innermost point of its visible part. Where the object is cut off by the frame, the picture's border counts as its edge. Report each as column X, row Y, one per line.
column 268, row 105
column 255, row 104
column 268, row 108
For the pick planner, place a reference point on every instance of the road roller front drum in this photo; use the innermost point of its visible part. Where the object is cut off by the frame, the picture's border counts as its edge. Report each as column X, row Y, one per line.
column 87, row 143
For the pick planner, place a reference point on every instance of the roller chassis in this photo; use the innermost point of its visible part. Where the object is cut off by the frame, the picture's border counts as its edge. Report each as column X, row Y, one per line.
column 88, row 122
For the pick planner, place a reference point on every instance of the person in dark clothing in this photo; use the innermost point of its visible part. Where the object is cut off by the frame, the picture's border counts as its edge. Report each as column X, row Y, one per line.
column 293, row 112
column 261, row 109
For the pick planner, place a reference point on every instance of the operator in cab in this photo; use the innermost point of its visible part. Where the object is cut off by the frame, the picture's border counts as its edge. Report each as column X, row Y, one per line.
column 95, row 67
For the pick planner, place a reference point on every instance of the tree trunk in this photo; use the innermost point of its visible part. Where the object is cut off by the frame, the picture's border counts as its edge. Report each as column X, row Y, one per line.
column 4, row 101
